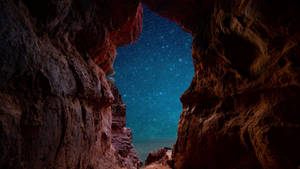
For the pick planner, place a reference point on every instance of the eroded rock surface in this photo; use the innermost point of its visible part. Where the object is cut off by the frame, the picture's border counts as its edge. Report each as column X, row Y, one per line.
column 242, row 108
column 157, row 166
column 55, row 102
column 122, row 136
column 162, row 157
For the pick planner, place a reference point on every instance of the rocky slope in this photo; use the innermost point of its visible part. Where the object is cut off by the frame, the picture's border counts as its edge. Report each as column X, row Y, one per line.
column 242, row 108
column 55, row 100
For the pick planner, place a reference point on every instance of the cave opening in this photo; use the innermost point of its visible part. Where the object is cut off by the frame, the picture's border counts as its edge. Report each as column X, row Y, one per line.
column 151, row 75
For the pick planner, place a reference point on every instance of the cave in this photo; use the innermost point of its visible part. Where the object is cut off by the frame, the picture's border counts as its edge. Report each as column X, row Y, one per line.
column 59, row 109
column 151, row 74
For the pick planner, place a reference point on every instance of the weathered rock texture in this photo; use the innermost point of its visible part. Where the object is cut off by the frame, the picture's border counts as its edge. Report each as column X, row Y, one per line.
column 121, row 135
column 157, row 166
column 242, row 108
column 55, row 102
column 162, row 156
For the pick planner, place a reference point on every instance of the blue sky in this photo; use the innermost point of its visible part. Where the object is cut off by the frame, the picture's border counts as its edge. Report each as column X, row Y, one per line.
column 151, row 76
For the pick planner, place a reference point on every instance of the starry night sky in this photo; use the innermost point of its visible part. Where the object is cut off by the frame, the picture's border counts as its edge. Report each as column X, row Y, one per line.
column 151, row 76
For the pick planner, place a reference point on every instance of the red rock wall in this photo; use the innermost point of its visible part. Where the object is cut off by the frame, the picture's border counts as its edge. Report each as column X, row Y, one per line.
column 55, row 100
column 242, row 108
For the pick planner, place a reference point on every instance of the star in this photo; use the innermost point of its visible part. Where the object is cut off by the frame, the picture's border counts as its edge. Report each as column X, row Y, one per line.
column 151, row 76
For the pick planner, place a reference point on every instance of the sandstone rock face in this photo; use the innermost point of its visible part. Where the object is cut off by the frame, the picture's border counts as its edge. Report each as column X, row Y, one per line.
column 242, row 108
column 157, row 166
column 55, row 102
column 162, row 156
column 121, row 136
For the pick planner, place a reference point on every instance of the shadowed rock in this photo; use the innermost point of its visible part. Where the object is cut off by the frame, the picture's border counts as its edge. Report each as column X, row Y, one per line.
column 160, row 159
column 241, row 108
column 55, row 102
column 121, row 136
column 162, row 156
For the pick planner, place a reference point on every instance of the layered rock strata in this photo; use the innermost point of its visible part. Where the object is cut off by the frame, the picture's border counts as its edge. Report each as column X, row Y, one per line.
column 55, row 102
column 121, row 135
column 241, row 110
